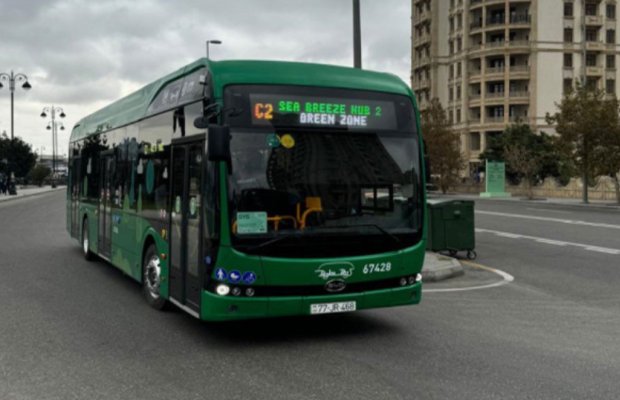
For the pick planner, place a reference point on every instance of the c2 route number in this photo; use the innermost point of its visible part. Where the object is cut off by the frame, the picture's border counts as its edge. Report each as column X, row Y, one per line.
column 371, row 268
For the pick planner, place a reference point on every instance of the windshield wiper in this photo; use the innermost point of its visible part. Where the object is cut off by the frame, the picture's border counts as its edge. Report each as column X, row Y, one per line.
column 272, row 241
column 380, row 229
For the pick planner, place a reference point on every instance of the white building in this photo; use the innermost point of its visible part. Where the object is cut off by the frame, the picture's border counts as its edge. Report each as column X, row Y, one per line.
column 495, row 62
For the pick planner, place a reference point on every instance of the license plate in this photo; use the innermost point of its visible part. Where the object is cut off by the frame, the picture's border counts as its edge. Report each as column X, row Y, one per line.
column 329, row 308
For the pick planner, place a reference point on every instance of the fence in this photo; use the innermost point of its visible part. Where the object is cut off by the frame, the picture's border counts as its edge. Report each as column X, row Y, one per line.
column 603, row 189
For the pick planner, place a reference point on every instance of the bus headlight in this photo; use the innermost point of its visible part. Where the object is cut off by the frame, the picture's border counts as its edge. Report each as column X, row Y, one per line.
column 222, row 289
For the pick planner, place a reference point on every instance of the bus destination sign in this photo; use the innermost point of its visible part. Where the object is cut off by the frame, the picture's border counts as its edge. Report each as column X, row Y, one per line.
column 285, row 110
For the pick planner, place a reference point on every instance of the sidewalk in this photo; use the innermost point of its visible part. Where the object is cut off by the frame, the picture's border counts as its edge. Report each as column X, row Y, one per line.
column 27, row 191
column 606, row 204
column 438, row 267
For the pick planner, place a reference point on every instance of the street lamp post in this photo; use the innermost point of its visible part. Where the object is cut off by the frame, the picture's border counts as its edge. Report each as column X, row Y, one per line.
column 53, row 126
column 12, row 79
column 212, row 42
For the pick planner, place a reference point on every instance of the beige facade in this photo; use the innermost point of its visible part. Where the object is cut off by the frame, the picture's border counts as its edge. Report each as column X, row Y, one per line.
column 495, row 62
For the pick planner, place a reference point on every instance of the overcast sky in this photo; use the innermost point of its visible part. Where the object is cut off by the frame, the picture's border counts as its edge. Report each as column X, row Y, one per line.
column 82, row 55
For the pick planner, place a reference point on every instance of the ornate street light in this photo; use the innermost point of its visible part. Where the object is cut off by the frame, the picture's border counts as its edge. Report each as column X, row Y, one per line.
column 53, row 125
column 13, row 79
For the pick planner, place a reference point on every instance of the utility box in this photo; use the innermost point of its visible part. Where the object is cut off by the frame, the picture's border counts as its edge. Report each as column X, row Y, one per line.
column 451, row 226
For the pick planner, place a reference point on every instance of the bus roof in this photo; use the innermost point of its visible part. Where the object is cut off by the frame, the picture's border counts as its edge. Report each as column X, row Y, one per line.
column 134, row 107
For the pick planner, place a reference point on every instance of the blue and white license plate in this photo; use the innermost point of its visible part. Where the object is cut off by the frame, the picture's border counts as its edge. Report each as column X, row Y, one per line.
column 329, row 308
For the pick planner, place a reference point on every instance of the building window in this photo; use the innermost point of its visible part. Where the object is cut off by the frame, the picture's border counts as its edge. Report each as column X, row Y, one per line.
column 568, row 35
column 568, row 60
column 458, row 115
column 458, row 70
column 611, row 11
column 568, row 86
column 591, row 60
column 591, row 9
column 474, row 141
column 450, row 93
column 458, row 92
column 611, row 61
column 568, row 9
column 591, row 35
column 611, row 36
column 610, row 86
column 591, row 84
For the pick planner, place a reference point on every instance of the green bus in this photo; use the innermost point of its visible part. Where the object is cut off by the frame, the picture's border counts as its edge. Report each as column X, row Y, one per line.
column 246, row 189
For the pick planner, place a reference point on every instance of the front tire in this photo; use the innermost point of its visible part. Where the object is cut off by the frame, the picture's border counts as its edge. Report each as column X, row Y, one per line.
column 88, row 255
column 151, row 279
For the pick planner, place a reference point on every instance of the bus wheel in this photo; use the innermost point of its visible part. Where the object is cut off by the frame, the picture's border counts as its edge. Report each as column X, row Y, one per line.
column 151, row 279
column 88, row 255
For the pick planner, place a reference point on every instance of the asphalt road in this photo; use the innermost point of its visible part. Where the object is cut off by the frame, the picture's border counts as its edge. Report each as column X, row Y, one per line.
column 70, row 329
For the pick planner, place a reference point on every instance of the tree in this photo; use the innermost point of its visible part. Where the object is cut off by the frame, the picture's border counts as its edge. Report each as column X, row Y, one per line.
column 584, row 121
column 443, row 146
column 526, row 162
column 39, row 173
column 606, row 156
column 19, row 156
column 521, row 140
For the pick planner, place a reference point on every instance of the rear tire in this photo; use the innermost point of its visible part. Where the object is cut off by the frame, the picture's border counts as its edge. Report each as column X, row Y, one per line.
column 88, row 255
column 151, row 279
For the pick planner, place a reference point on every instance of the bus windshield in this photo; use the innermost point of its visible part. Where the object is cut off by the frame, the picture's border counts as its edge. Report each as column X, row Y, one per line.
column 317, row 191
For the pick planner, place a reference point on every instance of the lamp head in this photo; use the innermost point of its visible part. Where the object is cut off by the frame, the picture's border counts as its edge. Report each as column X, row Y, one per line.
column 48, row 127
column 62, row 114
column 43, row 114
column 27, row 86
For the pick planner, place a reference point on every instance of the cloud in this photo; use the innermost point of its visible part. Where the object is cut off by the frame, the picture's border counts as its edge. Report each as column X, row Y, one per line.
column 83, row 54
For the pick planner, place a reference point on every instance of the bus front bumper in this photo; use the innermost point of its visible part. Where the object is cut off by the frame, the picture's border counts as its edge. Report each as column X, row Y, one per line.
column 223, row 308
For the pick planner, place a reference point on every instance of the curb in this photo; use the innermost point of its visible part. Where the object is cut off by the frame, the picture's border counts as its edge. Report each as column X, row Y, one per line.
column 25, row 196
column 438, row 267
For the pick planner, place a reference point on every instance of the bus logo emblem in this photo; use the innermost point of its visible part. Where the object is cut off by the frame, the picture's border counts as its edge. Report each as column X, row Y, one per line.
column 335, row 270
column 335, row 286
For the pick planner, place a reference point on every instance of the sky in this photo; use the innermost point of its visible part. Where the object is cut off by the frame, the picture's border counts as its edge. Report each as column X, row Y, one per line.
column 83, row 54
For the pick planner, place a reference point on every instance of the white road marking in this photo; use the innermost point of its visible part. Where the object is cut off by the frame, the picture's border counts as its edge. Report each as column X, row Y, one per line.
column 588, row 247
column 548, row 210
column 548, row 219
column 506, row 278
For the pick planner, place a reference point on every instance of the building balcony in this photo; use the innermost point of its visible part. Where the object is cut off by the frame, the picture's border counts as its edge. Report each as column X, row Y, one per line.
column 517, row 119
column 519, row 44
column 422, row 40
column 494, row 95
column 475, row 4
column 494, row 72
column 519, row 97
column 494, row 120
column 594, row 71
column 519, row 70
column 594, row 20
column 520, row 19
column 595, row 46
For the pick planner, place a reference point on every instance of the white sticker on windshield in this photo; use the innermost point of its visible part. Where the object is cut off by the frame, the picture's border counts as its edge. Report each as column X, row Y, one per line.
column 251, row 222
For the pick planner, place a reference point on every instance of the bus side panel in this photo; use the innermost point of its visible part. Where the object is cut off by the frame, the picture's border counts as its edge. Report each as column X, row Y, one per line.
column 124, row 244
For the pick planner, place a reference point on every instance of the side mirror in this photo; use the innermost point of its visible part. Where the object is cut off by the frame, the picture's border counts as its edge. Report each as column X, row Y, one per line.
column 201, row 123
column 427, row 170
column 218, row 143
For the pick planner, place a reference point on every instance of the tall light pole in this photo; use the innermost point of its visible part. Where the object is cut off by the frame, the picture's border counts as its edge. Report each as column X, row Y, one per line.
column 357, row 35
column 212, row 42
column 53, row 126
column 12, row 79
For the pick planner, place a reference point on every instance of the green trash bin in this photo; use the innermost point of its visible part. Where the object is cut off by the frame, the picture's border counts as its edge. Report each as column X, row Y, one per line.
column 451, row 226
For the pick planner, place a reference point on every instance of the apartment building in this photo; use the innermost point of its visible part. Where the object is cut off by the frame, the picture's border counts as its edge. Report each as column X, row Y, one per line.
column 495, row 62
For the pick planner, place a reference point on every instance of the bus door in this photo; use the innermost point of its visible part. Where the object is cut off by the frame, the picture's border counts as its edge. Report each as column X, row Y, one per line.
column 75, row 197
column 105, row 203
column 186, row 221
